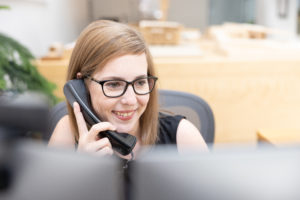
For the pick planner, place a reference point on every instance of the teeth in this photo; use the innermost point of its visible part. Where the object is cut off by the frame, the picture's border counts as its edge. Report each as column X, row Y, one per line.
column 124, row 114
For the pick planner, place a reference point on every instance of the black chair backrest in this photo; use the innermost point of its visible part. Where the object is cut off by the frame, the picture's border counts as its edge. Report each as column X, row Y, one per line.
column 193, row 107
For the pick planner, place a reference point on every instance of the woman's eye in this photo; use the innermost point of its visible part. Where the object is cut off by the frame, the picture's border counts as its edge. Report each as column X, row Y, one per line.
column 113, row 84
column 141, row 82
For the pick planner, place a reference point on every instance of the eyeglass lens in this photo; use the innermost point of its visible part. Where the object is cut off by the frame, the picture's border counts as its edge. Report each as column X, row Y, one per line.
column 117, row 87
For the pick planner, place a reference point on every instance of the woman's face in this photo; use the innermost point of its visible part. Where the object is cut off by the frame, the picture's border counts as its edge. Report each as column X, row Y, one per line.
column 125, row 111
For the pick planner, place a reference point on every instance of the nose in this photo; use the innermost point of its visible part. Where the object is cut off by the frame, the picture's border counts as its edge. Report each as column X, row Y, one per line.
column 129, row 97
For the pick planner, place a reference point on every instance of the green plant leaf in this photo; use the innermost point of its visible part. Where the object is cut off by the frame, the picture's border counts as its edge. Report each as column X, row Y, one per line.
column 4, row 7
column 17, row 71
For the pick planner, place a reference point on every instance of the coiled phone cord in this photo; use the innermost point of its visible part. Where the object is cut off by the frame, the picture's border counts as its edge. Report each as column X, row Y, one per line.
column 126, row 164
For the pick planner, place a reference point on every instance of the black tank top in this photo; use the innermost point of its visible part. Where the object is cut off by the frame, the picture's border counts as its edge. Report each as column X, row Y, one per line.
column 167, row 132
column 168, row 125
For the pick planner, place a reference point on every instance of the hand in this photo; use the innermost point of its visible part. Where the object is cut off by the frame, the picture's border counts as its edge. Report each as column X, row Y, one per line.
column 89, row 141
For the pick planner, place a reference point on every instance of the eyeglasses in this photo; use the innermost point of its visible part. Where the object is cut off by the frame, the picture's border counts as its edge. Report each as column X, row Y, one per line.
column 116, row 88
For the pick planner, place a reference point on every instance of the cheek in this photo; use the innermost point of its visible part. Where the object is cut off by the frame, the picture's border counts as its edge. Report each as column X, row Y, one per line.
column 103, row 107
column 143, row 101
column 100, row 103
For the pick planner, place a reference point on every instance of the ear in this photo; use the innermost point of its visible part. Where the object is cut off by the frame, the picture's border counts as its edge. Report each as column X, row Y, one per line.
column 78, row 75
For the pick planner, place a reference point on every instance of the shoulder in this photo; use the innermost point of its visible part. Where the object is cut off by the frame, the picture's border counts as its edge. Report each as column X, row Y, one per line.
column 169, row 120
column 188, row 136
column 168, row 125
column 63, row 134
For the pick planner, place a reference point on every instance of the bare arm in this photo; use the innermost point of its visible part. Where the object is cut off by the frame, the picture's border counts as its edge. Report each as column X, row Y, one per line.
column 188, row 136
column 89, row 141
column 63, row 135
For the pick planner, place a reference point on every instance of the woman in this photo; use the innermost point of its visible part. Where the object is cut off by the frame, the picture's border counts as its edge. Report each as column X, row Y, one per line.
column 118, row 72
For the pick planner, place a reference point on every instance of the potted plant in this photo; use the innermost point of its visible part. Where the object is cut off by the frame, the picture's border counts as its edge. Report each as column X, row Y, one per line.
column 17, row 71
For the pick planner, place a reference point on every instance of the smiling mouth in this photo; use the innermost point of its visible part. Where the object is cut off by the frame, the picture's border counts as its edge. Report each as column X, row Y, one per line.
column 124, row 115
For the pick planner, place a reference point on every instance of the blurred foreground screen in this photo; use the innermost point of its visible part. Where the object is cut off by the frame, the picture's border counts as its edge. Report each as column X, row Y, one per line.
column 23, row 114
column 260, row 174
column 34, row 171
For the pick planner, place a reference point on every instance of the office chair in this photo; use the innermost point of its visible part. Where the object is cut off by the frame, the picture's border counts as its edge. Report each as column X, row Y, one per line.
column 194, row 108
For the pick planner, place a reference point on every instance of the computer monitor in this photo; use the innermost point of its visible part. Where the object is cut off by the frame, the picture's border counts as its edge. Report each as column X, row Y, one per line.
column 23, row 114
column 38, row 172
column 238, row 174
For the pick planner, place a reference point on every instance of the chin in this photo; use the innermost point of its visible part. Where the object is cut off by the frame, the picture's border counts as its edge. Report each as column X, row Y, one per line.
column 125, row 128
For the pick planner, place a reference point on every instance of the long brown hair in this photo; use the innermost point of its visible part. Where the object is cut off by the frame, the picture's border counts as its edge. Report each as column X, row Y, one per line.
column 102, row 41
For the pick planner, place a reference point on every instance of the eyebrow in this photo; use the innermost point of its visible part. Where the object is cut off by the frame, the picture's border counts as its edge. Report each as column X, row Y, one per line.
column 120, row 78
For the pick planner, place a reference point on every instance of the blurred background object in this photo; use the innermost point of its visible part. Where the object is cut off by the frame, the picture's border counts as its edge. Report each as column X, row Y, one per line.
column 161, row 32
column 280, row 14
column 298, row 17
column 55, row 51
column 46, row 22
column 150, row 9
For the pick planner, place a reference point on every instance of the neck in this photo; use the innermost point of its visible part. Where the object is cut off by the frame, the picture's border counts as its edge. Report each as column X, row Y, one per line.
column 136, row 131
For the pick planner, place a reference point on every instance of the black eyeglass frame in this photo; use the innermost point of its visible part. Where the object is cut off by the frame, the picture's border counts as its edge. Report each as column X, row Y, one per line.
column 126, row 86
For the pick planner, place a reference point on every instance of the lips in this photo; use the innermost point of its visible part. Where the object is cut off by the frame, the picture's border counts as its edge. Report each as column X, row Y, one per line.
column 124, row 115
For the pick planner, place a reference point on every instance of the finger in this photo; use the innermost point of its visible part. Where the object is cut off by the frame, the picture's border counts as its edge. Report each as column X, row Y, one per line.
column 98, row 145
column 100, row 127
column 105, row 151
column 82, row 128
column 102, row 143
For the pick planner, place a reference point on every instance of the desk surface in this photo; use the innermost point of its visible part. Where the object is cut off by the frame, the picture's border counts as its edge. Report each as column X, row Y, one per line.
column 279, row 137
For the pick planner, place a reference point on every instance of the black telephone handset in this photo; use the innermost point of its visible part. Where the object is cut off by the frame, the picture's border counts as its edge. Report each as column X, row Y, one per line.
column 75, row 90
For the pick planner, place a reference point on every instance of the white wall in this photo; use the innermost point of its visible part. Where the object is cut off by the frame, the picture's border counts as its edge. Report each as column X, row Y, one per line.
column 191, row 13
column 267, row 14
column 39, row 23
